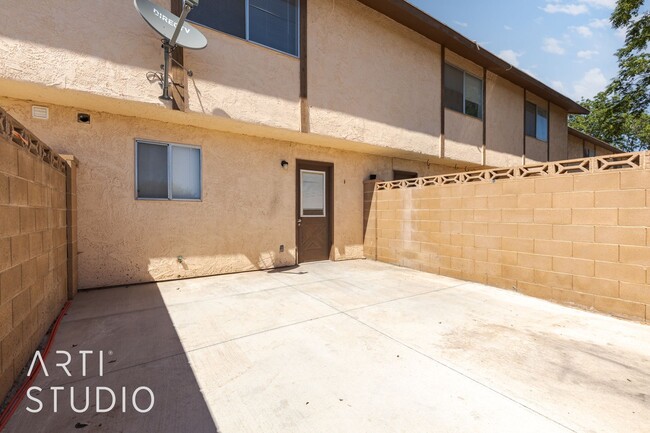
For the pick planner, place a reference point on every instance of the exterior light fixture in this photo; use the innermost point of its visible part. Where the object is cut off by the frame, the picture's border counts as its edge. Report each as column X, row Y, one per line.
column 284, row 164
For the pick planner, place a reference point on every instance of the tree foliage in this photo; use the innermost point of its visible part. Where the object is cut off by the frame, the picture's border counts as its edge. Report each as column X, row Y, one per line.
column 627, row 131
column 619, row 114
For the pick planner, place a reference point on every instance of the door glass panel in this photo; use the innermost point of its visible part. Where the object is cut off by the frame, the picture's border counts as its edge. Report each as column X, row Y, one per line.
column 312, row 190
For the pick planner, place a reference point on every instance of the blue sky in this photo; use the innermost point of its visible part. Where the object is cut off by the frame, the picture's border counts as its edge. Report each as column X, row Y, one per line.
column 567, row 44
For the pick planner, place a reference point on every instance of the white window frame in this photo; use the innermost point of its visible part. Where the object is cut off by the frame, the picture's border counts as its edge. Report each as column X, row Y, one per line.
column 324, row 173
column 247, row 37
column 170, row 175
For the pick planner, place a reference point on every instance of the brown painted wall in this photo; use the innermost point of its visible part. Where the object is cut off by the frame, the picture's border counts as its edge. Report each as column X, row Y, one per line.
column 33, row 255
column 581, row 239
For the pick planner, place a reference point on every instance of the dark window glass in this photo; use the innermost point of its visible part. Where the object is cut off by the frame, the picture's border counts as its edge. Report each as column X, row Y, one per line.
column 274, row 23
column 228, row 16
column 454, row 88
column 401, row 175
column 531, row 115
column 542, row 124
column 152, row 171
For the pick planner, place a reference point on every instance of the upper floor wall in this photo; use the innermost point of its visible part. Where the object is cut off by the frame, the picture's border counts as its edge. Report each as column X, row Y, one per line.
column 360, row 77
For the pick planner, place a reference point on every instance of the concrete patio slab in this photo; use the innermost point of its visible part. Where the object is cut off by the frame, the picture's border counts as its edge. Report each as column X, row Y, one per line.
column 353, row 346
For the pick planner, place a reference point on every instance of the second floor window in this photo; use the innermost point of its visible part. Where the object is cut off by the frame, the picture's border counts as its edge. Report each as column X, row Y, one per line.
column 536, row 121
column 463, row 92
column 272, row 23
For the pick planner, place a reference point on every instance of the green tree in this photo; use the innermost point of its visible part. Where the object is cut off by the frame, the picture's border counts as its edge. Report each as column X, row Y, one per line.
column 606, row 121
column 619, row 114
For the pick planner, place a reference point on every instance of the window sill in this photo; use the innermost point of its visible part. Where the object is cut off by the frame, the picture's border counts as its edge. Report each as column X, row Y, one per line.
column 194, row 200
column 536, row 139
column 479, row 119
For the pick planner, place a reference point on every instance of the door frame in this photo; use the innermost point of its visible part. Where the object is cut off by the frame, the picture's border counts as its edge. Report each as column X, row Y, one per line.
column 328, row 168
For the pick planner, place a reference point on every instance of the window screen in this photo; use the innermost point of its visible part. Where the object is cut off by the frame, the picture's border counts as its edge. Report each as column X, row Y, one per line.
column 228, row 16
column 463, row 92
column 542, row 124
column 186, row 172
column 531, row 119
column 453, row 88
column 536, row 123
column 168, row 171
column 473, row 96
column 152, row 171
column 274, row 23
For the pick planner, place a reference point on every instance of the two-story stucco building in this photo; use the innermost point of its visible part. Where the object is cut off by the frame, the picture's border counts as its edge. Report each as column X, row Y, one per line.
column 260, row 159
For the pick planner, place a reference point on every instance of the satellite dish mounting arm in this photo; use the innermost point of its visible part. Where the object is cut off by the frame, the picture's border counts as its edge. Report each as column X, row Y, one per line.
column 169, row 45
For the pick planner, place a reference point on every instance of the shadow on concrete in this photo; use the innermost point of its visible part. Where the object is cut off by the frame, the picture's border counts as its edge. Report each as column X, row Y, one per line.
column 141, row 348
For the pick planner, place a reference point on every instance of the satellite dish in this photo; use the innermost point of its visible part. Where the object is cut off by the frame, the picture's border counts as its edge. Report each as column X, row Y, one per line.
column 174, row 30
column 166, row 23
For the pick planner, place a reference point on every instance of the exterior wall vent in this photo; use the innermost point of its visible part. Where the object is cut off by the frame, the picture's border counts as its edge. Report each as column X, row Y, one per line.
column 39, row 112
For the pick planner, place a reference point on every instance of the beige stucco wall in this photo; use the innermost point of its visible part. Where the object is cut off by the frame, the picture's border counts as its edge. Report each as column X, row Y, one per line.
column 505, row 124
column 248, row 207
column 558, row 133
column 108, row 52
column 237, row 79
column 536, row 150
column 602, row 151
column 466, row 65
column 463, row 137
column 371, row 79
column 574, row 147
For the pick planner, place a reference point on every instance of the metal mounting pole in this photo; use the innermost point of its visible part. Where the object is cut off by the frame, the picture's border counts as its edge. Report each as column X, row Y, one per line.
column 168, row 51
column 169, row 46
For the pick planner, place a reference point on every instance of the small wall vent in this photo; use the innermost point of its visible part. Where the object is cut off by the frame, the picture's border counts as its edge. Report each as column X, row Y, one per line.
column 39, row 112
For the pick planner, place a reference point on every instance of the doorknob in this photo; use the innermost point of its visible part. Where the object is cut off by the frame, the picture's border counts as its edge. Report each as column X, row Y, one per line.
column 299, row 221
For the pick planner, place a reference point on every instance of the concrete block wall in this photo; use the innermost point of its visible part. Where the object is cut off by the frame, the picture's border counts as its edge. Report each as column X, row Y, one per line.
column 581, row 239
column 33, row 254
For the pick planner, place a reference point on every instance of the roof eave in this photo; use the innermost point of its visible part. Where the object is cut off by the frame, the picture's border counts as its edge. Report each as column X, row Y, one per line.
column 594, row 140
column 424, row 24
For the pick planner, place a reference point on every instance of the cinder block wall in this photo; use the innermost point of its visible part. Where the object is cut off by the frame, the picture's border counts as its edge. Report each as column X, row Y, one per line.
column 33, row 254
column 581, row 239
